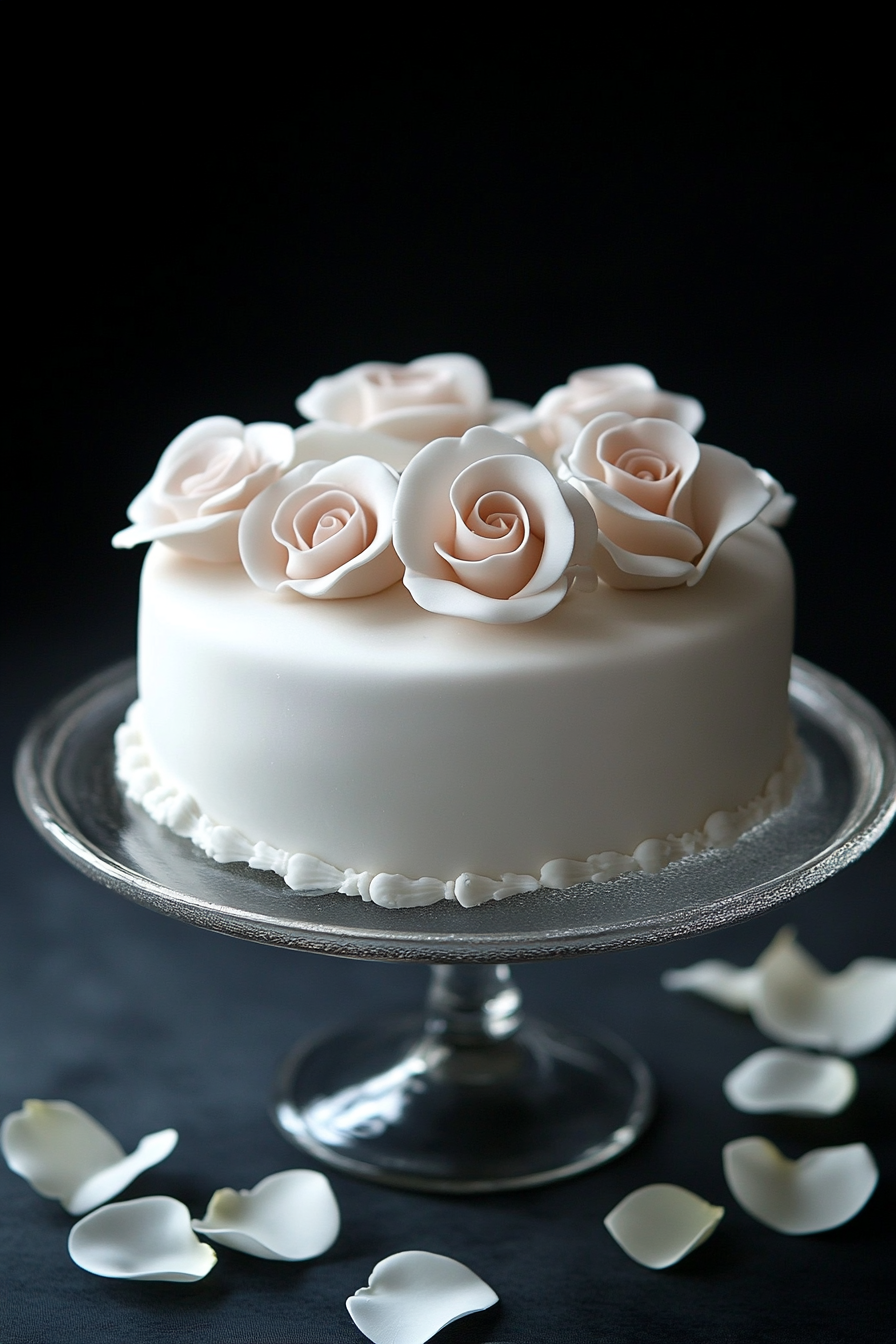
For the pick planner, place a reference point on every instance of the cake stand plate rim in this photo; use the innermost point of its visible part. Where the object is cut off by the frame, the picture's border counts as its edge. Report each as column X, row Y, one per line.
column 854, row 726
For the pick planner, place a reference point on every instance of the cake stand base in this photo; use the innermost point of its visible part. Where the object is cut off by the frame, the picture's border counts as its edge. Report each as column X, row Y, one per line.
column 465, row 1097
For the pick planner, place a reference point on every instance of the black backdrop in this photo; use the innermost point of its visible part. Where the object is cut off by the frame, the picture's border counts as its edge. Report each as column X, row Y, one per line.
column 725, row 225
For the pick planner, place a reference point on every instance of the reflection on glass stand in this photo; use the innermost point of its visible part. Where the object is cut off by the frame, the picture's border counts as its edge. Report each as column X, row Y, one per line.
column 466, row 1095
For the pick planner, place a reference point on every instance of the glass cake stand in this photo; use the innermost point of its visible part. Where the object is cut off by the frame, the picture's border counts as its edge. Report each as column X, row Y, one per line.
column 466, row 1095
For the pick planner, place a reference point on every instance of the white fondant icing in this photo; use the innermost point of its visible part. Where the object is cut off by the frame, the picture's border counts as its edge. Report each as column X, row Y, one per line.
column 304, row 872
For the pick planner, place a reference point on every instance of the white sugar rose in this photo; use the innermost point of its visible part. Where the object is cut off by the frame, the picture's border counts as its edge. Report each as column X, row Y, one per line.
column 664, row 503
column 487, row 532
column 555, row 421
column 326, row 441
column 324, row 530
column 416, row 402
column 204, row 480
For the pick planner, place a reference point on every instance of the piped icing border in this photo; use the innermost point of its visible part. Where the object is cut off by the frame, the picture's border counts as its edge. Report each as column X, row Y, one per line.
column 169, row 805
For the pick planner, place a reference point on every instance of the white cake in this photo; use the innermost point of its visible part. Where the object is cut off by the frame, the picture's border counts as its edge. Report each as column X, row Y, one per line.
column 406, row 753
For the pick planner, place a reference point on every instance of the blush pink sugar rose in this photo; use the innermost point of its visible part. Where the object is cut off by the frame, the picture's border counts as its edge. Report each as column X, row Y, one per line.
column 438, row 394
column 324, row 530
column 664, row 504
column 204, row 479
column 486, row 532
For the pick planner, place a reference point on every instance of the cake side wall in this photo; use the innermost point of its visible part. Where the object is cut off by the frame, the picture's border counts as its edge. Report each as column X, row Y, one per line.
column 373, row 734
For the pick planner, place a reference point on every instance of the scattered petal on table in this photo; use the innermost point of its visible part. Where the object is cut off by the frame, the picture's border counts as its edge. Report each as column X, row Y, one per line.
column 659, row 1225
column 731, row 986
column 292, row 1215
column 413, row 1294
column 791, row 1082
column 821, row 1190
column 141, row 1239
column 65, row 1154
column 800, row 1003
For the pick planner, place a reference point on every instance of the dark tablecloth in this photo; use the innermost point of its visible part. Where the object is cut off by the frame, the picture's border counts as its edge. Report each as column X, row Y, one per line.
column 147, row 1023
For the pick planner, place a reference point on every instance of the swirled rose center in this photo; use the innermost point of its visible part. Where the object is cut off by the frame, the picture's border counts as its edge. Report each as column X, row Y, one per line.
column 645, row 476
column 212, row 467
column 322, row 528
column 495, row 550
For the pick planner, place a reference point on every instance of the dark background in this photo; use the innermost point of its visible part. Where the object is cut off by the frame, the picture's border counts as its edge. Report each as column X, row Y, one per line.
column 725, row 221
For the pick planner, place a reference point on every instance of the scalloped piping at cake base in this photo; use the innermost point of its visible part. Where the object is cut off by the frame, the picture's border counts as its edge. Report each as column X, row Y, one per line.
column 170, row 806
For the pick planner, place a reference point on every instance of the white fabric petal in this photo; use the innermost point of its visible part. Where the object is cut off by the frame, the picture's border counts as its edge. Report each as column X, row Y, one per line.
column 799, row 1003
column 659, row 1225
column 291, row 1215
column 823, row 1189
column 141, row 1239
column 65, row 1154
column 791, row 1082
column 414, row 1294
column 731, row 986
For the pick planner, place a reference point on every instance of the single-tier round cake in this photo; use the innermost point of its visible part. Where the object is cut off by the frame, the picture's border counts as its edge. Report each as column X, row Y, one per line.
column 408, row 742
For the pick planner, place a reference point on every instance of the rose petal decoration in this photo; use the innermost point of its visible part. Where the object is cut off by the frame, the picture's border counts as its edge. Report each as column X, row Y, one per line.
column 141, row 1239
column 486, row 532
column 731, row 986
column 204, row 480
column 417, row 402
column 414, row 1294
column 555, row 421
column 823, row 1189
column 64, row 1154
column 791, row 1082
column 777, row 512
column 659, row 1225
column 327, row 441
column 291, row 1215
column 324, row 529
column 800, row 1003
column 664, row 503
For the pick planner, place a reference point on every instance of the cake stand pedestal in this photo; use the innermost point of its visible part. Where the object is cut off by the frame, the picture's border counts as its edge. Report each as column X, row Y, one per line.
column 466, row 1095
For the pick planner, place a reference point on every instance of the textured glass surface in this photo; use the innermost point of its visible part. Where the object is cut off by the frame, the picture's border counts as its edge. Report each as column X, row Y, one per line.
column 843, row 803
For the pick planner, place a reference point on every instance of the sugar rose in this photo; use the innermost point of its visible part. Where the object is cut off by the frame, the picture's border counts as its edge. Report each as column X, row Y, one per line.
column 204, row 480
column 324, row 530
column 416, row 402
column 486, row 532
column 663, row 503
column 556, row 420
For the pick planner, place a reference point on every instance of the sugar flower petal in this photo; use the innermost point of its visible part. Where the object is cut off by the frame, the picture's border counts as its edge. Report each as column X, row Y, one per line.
column 141, row 1239
column 821, row 1190
column 328, row 441
column 417, row 402
column 791, row 1082
column 65, row 1154
column 731, row 986
column 781, row 505
column 799, row 1003
column 659, row 1225
column 291, row 1215
column 486, row 531
column 203, row 481
column 324, row 529
column 414, row 1294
